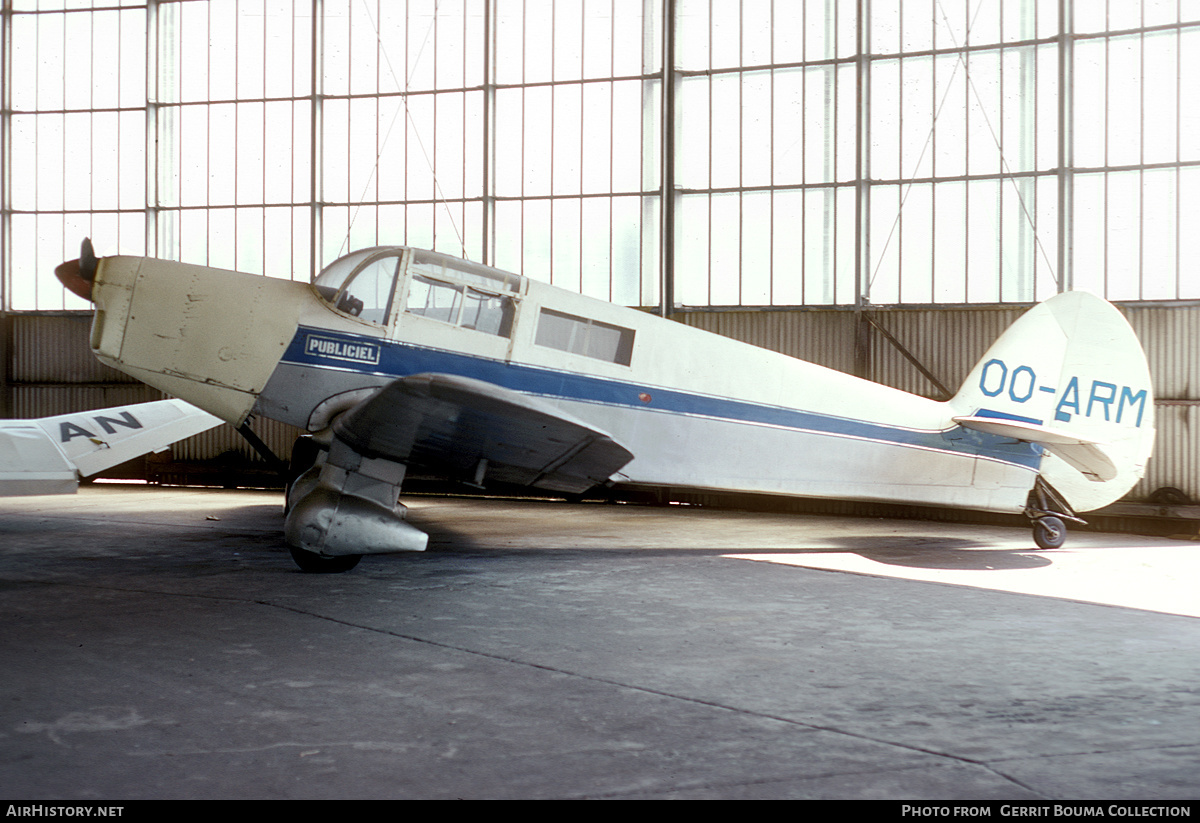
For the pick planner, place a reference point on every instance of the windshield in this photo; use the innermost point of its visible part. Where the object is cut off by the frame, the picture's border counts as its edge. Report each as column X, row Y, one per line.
column 362, row 284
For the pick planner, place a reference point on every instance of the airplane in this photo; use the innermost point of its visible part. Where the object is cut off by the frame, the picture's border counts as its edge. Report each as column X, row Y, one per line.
column 50, row 455
column 396, row 358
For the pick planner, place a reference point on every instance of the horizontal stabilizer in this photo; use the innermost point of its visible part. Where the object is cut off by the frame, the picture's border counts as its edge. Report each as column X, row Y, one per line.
column 49, row 455
column 1081, row 453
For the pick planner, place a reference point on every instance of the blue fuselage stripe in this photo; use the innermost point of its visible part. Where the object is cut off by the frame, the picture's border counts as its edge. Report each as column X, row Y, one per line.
column 392, row 359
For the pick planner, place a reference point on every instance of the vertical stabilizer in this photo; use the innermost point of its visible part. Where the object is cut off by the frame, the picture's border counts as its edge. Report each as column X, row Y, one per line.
column 1071, row 376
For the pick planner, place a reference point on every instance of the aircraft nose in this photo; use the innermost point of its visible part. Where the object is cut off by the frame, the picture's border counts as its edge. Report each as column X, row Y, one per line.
column 78, row 275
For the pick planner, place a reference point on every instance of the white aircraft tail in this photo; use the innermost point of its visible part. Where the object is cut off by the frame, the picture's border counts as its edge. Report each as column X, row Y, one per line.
column 1070, row 376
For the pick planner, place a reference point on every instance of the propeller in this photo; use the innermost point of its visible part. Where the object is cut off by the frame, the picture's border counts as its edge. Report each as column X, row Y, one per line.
column 78, row 275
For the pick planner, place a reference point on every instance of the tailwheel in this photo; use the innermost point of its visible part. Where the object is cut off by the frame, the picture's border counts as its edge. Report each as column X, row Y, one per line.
column 1048, row 510
column 1049, row 532
column 314, row 563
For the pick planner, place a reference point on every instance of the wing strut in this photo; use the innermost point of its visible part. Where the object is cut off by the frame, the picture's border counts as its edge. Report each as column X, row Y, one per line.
column 277, row 465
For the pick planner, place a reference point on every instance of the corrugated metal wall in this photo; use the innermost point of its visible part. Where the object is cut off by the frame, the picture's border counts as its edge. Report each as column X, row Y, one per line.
column 50, row 369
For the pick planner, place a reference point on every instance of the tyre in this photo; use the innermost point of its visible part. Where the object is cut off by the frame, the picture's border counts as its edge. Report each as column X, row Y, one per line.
column 314, row 563
column 1049, row 532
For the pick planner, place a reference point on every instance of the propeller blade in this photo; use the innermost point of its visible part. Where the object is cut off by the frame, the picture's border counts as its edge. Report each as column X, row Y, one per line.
column 77, row 275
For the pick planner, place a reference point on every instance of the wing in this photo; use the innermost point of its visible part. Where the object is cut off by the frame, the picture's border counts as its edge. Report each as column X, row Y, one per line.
column 471, row 429
column 50, row 454
column 1085, row 455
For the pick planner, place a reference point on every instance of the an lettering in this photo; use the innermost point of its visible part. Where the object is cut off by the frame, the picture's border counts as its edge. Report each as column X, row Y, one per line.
column 68, row 431
column 127, row 420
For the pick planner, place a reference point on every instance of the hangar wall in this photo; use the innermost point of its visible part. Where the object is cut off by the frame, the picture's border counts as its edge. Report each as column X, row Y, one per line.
column 742, row 158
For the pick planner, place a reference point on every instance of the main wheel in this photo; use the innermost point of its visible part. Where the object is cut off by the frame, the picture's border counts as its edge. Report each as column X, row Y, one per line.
column 314, row 563
column 1049, row 532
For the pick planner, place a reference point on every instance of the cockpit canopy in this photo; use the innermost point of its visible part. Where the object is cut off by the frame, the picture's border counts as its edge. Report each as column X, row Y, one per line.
column 367, row 283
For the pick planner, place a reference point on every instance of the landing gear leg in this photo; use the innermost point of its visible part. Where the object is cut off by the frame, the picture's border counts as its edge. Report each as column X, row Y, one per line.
column 1048, row 509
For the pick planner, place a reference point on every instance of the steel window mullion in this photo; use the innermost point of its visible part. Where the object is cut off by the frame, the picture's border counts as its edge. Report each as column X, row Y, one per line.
column 668, row 198
column 862, row 166
column 1141, row 219
column 966, row 225
column 237, row 120
column 263, row 144
column 433, row 128
column 1107, row 158
column 709, row 198
column 771, row 164
column 582, row 126
column 316, row 129
column 488, row 183
column 740, row 78
column 804, row 152
column 463, row 129
column 832, row 261
column 350, row 50
column 1178, row 153
column 1000, row 279
column 553, row 165
column 902, row 190
column 6, row 272
column 524, row 120
column 208, row 133
column 612, row 182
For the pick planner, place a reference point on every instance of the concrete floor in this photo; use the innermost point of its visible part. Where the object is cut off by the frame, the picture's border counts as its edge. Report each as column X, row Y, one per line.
column 159, row 643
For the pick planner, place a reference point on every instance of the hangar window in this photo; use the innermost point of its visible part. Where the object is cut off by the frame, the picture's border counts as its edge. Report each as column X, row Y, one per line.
column 582, row 335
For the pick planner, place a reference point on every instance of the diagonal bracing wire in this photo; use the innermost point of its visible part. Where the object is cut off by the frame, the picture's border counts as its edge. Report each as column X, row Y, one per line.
column 961, row 61
column 409, row 116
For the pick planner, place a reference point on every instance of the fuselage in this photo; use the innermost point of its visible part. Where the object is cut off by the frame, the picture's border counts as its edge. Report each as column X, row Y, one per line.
column 697, row 410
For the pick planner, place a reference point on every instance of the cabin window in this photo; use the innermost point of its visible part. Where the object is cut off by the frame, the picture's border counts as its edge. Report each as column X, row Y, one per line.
column 431, row 298
column 491, row 313
column 582, row 335
column 461, row 305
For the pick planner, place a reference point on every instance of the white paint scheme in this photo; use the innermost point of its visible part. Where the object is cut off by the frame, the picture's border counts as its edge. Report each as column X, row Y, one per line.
column 49, row 455
column 696, row 410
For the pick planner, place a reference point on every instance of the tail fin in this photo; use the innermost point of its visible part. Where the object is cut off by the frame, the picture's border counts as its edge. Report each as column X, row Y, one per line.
column 1071, row 376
